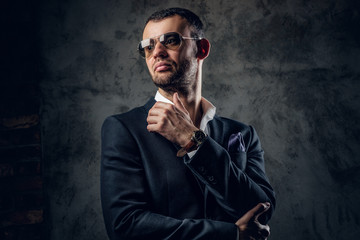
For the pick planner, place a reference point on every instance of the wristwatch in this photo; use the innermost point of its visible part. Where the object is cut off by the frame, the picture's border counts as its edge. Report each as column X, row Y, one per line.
column 197, row 138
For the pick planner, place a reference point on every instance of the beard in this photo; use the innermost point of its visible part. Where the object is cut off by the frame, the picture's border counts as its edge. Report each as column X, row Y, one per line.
column 179, row 81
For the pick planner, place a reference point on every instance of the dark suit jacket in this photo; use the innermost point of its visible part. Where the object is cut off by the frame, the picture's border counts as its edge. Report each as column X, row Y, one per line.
column 149, row 193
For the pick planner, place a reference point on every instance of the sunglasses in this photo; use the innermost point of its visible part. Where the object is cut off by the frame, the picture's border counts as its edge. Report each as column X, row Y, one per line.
column 171, row 40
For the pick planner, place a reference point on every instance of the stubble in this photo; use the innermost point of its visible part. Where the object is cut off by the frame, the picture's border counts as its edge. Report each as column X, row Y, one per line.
column 179, row 81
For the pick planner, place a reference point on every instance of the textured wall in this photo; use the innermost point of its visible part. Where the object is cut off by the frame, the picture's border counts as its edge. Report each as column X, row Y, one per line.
column 21, row 182
column 289, row 68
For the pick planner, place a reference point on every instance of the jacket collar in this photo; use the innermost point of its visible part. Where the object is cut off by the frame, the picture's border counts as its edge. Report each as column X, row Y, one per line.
column 149, row 104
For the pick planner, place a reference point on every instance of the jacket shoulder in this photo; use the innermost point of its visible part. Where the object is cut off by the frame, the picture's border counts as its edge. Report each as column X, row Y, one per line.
column 132, row 117
column 232, row 124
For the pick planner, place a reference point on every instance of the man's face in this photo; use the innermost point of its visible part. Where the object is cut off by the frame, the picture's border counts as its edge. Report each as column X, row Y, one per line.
column 171, row 70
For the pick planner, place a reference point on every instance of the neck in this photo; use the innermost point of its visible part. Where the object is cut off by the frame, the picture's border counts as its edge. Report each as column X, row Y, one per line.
column 191, row 100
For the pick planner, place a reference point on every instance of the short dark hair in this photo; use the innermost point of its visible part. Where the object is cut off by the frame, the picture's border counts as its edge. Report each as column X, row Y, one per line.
column 193, row 20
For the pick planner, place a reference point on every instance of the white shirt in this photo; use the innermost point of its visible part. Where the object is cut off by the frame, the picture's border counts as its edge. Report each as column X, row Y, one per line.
column 208, row 108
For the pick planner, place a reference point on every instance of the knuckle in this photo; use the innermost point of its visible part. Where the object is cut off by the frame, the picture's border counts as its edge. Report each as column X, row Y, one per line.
column 165, row 111
column 169, row 107
column 162, row 123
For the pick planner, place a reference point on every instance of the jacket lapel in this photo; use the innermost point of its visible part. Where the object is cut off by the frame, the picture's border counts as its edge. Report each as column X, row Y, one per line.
column 149, row 104
column 216, row 129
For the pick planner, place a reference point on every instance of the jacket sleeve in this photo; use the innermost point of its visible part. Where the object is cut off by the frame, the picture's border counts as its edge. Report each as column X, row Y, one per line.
column 125, row 197
column 237, row 180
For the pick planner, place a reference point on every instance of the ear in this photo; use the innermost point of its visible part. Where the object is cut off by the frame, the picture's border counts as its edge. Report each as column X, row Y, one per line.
column 203, row 48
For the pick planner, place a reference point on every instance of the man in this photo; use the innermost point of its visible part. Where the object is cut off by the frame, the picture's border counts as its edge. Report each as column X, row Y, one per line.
column 172, row 169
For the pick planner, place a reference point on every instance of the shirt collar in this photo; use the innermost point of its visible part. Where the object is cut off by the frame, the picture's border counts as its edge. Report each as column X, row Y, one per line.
column 208, row 108
column 160, row 98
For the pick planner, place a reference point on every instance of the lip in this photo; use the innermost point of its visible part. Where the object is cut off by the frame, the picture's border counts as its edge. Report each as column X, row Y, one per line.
column 162, row 66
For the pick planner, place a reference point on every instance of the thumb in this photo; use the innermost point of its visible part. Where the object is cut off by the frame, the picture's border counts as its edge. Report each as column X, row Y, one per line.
column 178, row 103
column 255, row 212
column 262, row 209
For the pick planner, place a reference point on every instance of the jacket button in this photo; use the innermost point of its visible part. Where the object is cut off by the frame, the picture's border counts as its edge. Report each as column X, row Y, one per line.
column 201, row 169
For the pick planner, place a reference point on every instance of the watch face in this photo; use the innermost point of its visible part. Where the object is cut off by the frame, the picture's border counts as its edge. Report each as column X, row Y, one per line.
column 199, row 136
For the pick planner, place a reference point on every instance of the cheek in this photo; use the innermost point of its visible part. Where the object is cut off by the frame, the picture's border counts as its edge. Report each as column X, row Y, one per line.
column 148, row 64
column 175, row 57
column 189, row 53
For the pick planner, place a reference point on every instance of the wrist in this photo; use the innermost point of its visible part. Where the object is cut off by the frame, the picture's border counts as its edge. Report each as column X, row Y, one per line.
column 197, row 138
column 187, row 137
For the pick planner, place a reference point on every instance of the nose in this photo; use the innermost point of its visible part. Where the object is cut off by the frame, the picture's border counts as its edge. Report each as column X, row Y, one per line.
column 159, row 50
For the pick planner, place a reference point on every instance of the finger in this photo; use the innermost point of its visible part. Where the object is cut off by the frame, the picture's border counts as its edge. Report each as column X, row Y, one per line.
column 258, row 209
column 160, row 111
column 154, row 112
column 152, row 127
column 257, row 230
column 152, row 119
column 178, row 103
column 265, row 231
column 264, row 207
column 162, row 105
column 155, row 126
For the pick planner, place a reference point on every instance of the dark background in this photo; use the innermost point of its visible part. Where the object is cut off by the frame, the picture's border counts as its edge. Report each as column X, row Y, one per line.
column 289, row 68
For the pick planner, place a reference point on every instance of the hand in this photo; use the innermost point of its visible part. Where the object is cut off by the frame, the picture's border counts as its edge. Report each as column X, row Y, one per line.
column 171, row 121
column 249, row 226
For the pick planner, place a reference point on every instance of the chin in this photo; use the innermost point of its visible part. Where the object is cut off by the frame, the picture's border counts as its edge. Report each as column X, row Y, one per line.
column 163, row 79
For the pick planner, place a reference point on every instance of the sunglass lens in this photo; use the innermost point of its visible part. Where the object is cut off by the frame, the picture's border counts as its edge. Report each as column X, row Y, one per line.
column 141, row 50
column 171, row 40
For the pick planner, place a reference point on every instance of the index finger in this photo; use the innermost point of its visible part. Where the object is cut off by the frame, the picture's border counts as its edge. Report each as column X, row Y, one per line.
column 263, row 208
column 160, row 105
column 256, row 211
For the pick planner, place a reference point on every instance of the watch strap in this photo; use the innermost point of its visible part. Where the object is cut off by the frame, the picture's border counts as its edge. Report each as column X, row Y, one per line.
column 191, row 146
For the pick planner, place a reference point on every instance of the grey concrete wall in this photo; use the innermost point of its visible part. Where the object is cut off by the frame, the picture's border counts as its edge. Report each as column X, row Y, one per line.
column 290, row 68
